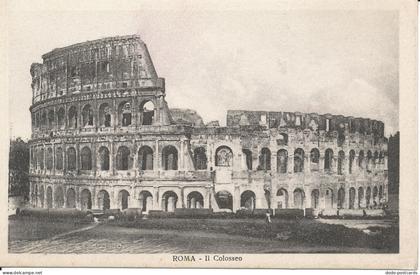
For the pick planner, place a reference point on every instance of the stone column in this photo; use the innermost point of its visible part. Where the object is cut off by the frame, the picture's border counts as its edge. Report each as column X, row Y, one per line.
column 156, row 200
column 207, row 197
column 236, row 199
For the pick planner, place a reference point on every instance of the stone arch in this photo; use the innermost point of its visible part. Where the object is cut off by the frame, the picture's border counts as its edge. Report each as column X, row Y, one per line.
column 51, row 116
column 44, row 119
column 200, row 158
column 248, row 200
column 195, row 200
column 381, row 193
column 123, row 158
column 41, row 158
column 299, row 160
column 352, row 156
column 105, row 115
column 85, row 199
column 170, row 158
column 146, row 201
column 361, row 159
column 341, row 197
column 59, row 158
column 340, row 162
column 224, row 200
column 328, row 160
column 352, row 198
column 282, row 198
column 298, row 198
column 169, row 201
column 360, row 195
column 369, row 161
column 87, row 115
column 315, row 199
column 329, row 198
column 41, row 196
column 314, row 159
column 71, row 198
column 103, row 158
column 368, row 197
column 224, row 156
column 123, row 198
column 248, row 158
column 265, row 159
column 124, row 114
column 375, row 159
column 59, row 197
column 60, row 118
column 147, row 112
column 71, row 159
column 282, row 159
column 49, row 197
column 72, row 117
column 375, row 196
column 104, row 201
column 86, row 158
column 145, row 158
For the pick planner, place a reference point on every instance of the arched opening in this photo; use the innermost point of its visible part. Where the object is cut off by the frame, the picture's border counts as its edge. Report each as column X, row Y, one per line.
column 381, row 193
column 315, row 199
column 170, row 158
column 59, row 197
column 147, row 110
column 86, row 158
column 103, row 158
column 328, row 160
column 361, row 159
column 44, row 119
column 146, row 201
column 282, row 198
column 375, row 161
column 104, row 202
column 123, row 197
column 59, row 158
column 123, row 158
column 195, row 200
column 200, row 158
column 224, row 200
column 248, row 200
column 105, row 115
column 49, row 159
column 283, row 139
column 375, row 196
column 224, row 156
column 341, row 198
column 351, row 161
column 124, row 113
column 35, row 196
column 298, row 198
column 72, row 117
column 299, row 160
column 282, row 157
column 369, row 161
column 71, row 198
column 87, row 116
column 340, row 162
column 360, row 195
column 248, row 158
column 265, row 159
column 145, row 158
column 169, row 201
column 368, row 195
column 352, row 197
column 41, row 158
column 41, row 196
column 329, row 198
column 71, row 159
column 85, row 199
column 51, row 116
column 60, row 118
column 49, row 197
column 314, row 159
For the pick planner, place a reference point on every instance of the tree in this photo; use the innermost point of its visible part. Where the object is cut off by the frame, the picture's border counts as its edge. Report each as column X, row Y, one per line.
column 19, row 168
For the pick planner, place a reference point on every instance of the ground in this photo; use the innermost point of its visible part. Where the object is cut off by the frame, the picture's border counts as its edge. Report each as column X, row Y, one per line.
column 29, row 235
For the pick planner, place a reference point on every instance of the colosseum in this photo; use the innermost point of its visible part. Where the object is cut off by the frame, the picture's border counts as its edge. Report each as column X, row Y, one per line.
column 104, row 137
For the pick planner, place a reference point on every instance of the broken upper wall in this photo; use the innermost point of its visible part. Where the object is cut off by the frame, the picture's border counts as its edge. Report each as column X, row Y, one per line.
column 108, row 63
column 312, row 121
column 186, row 117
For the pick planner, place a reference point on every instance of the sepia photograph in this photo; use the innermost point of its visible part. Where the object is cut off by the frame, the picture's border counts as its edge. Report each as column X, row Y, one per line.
column 204, row 133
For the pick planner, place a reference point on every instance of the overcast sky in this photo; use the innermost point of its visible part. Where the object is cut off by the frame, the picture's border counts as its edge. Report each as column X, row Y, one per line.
column 339, row 62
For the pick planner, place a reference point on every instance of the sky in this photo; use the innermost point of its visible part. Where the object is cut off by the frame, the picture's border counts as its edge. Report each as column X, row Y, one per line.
column 339, row 62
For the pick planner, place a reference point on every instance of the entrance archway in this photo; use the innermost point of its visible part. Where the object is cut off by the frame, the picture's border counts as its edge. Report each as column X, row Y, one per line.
column 224, row 200
column 282, row 198
column 103, row 200
column 145, row 201
column 195, row 200
column 85, row 199
column 123, row 196
column 169, row 201
column 298, row 198
column 315, row 199
column 248, row 200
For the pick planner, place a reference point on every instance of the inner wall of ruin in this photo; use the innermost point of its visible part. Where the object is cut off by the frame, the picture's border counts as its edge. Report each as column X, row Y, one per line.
column 103, row 137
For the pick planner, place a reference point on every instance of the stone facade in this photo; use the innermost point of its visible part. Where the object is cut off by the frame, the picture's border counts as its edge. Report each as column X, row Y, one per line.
column 103, row 137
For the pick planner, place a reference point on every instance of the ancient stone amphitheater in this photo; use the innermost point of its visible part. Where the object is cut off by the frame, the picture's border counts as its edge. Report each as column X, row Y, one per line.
column 103, row 137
